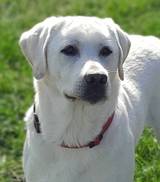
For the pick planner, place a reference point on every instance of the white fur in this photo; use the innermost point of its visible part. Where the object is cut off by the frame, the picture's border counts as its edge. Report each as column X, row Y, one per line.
column 136, row 100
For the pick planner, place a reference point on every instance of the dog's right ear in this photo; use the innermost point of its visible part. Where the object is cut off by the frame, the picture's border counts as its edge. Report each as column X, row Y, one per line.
column 123, row 43
column 34, row 44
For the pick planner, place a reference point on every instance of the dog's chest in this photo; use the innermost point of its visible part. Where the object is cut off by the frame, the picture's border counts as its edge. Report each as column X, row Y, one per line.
column 73, row 167
column 102, row 163
column 90, row 169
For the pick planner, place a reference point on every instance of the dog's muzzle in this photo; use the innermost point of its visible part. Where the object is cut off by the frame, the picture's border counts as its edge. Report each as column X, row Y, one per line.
column 93, row 87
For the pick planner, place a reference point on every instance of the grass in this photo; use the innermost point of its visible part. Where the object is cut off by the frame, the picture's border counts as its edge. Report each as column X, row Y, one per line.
column 16, row 92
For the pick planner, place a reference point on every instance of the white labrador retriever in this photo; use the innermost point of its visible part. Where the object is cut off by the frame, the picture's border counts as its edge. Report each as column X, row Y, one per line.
column 86, row 121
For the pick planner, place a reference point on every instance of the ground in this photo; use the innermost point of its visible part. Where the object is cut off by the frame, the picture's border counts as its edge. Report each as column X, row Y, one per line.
column 16, row 92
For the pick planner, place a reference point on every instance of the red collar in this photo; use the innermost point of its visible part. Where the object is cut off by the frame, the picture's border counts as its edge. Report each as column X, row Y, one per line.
column 97, row 140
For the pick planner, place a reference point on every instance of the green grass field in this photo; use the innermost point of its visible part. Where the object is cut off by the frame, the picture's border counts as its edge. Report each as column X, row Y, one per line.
column 16, row 93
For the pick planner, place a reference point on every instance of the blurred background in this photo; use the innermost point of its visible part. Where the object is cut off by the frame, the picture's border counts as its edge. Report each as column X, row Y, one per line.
column 16, row 92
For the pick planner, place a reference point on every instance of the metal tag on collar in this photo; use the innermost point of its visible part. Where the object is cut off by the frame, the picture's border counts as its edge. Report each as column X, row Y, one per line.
column 36, row 120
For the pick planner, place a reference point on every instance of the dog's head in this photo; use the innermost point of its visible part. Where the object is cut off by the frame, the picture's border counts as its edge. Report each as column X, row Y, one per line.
column 81, row 56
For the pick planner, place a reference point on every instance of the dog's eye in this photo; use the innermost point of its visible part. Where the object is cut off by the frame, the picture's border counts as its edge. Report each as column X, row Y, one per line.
column 105, row 51
column 70, row 50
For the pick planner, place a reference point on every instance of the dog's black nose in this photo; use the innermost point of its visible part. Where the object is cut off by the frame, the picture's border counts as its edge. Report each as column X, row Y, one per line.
column 96, row 79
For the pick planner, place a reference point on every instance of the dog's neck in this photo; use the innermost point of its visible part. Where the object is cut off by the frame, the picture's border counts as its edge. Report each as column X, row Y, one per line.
column 73, row 123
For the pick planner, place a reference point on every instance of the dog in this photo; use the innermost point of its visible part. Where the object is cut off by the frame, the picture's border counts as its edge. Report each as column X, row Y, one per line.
column 96, row 87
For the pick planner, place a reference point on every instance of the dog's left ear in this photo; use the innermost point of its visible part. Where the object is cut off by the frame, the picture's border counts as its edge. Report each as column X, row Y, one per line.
column 33, row 44
column 123, row 44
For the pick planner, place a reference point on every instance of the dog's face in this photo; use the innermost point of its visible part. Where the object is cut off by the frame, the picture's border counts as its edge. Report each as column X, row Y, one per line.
column 81, row 56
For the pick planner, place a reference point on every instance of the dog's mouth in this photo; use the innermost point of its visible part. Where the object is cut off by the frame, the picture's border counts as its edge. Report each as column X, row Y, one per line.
column 69, row 97
column 92, row 99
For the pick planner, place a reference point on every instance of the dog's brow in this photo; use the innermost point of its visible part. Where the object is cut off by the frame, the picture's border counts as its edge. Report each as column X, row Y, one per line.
column 66, row 42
